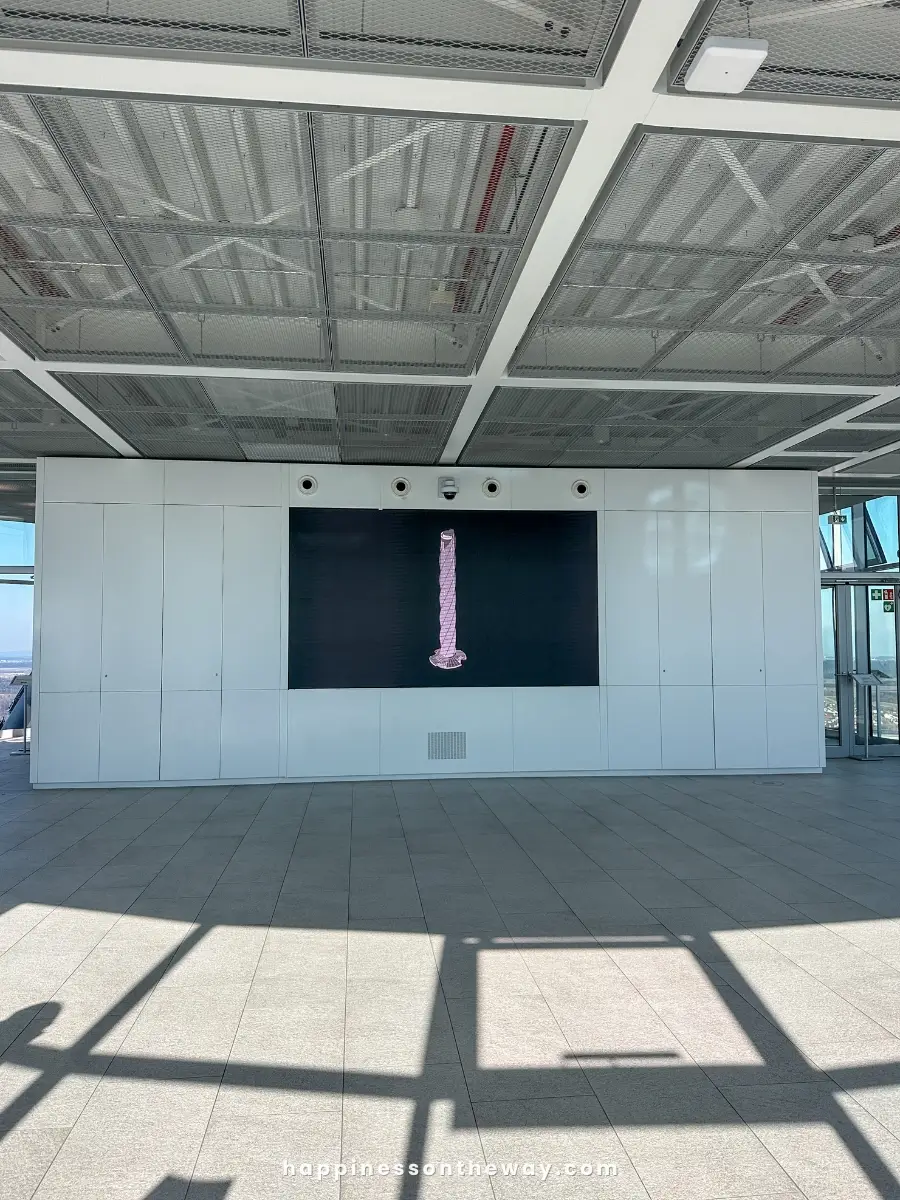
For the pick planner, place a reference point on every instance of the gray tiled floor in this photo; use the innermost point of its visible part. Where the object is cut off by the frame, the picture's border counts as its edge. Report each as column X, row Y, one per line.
column 697, row 980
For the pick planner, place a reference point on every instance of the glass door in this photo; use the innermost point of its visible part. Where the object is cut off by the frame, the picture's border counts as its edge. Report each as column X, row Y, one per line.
column 834, row 702
column 838, row 661
column 875, row 620
column 859, row 637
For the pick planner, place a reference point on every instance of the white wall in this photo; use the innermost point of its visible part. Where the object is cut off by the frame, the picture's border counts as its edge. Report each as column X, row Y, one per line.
column 161, row 630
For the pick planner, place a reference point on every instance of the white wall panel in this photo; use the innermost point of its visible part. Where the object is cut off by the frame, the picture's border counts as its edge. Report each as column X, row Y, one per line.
column 653, row 491
column 685, row 655
column 250, row 734
column 334, row 732
column 103, row 480
column 738, row 641
column 131, row 627
column 129, row 736
column 251, row 597
column 224, row 483
column 632, row 610
column 688, row 736
column 162, row 645
column 794, row 719
column 68, row 737
column 633, row 722
column 192, row 601
column 761, row 491
column 557, row 729
column 790, row 598
column 71, row 597
column 408, row 715
column 740, row 714
column 191, row 728
column 552, row 490
column 336, row 488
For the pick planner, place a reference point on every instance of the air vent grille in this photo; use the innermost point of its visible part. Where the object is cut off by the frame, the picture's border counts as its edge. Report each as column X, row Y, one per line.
column 447, row 745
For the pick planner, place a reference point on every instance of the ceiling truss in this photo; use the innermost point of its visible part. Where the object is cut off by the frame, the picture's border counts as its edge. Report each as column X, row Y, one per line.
column 604, row 119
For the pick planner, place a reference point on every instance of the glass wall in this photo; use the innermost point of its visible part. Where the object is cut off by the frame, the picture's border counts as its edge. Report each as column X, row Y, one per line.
column 880, row 632
column 829, row 656
column 868, row 540
column 859, row 619
column 16, row 605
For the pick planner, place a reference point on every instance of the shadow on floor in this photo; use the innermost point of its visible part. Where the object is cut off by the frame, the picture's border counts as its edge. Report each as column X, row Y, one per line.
column 681, row 977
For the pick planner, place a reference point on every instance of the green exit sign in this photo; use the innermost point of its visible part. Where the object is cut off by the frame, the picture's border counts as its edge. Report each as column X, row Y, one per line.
column 837, row 518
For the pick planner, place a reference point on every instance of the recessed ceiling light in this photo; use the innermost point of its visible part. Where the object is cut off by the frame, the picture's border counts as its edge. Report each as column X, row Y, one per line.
column 725, row 64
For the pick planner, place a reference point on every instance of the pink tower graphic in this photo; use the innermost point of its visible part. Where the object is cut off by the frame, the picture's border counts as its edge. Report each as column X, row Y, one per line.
column 447, row 656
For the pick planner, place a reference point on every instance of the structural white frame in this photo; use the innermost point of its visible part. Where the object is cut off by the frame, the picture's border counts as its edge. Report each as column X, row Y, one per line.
column 634, row 93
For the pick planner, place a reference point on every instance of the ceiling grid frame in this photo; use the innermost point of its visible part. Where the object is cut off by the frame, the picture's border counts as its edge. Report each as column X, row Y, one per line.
column 631, row 96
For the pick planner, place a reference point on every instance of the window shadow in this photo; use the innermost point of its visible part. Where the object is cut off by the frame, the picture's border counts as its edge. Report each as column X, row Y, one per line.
column 621, row 1084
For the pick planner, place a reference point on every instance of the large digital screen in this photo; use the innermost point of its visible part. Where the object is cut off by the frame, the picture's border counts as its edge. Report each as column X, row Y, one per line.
column 413, row 598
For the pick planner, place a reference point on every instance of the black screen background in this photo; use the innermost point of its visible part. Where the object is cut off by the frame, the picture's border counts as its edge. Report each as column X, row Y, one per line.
column 364, row 598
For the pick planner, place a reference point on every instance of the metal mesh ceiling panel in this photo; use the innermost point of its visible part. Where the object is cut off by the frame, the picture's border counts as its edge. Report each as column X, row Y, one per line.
column 888, row 464
column 597, row 428
column 18, row 487
column 823, row 48
column 272, row 419
column 850, row 441
column 147, row 231
column 887, row 412
column 556, row 38
column 32, row 424
column 800, row 462
column 733, row 258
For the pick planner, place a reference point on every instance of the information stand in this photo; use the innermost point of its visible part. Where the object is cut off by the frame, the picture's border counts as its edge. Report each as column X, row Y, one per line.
column 867, row 681
column 24, row 681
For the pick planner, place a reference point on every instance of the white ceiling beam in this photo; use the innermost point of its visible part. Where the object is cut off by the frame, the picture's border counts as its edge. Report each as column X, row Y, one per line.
column 16, row 359
column 33, row 70
column 678, row 110
column 193, row 371
column 683, row 385
column 888, row 425
column 190, row 371
column 611, row 115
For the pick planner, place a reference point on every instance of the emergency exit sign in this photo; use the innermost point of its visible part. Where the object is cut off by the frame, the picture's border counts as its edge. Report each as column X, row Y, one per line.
column 837, row 518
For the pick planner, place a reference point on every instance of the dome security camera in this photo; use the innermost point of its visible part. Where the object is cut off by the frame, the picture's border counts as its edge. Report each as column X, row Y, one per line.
column 448, row 487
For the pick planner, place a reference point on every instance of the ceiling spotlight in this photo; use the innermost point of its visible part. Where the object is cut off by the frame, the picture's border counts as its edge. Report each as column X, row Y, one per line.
column 725, row 65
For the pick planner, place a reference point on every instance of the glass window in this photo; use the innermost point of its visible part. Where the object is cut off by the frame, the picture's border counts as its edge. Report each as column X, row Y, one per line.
column 16, row 607
column 838, row 543
column 16, row 544
column 881, row 534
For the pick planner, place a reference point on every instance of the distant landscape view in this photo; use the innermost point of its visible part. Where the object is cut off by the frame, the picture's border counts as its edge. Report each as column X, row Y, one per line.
column 11, row 664
column 885, row 714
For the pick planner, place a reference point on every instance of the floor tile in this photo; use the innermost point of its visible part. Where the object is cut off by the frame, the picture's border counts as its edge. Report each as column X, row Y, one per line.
column 695, row 979
column 828, row 1144
column 567, row 1145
